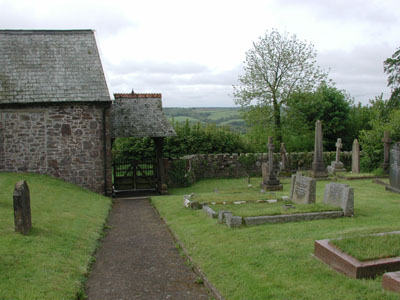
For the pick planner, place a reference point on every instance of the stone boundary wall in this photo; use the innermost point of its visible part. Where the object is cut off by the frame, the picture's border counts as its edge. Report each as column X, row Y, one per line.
column 201, row 166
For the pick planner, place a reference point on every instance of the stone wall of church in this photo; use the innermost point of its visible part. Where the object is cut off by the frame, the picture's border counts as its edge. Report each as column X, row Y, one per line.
column 62, row 140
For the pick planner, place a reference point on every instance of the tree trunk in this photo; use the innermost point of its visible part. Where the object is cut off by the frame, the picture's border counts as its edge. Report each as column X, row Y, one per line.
column 277, row 121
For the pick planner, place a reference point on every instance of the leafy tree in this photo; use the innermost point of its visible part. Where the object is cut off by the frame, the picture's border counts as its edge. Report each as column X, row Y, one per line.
column 392, row 68
column 383, row 118
column 327, row 104
column 276, row 66
column 259, row 126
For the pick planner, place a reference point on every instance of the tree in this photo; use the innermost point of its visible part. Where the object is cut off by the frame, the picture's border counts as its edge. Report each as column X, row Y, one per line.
column 391, row 67
column 275, row 67
column 327, row 104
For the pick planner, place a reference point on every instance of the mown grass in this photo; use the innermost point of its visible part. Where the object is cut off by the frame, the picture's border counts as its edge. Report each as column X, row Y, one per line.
column 52, row 261
column 274, row 261
column 370, row 247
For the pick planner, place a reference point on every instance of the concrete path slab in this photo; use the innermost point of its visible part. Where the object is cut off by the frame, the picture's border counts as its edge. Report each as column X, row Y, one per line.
column 138, row 259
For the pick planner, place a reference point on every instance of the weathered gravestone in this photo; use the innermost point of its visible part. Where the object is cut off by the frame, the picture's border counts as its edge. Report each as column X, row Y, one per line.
column 22, row 207
column 355, row 157
column 282, row 151
column 270, row 179
column 337, row 165
column 386, row 151
column 341, row 195
column 302, row 189
column 394, row 172
column 318, row 166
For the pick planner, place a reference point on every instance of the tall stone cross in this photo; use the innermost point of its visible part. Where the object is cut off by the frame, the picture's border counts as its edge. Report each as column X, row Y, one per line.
column 271, row 148
column 338, row 147
column 386, row 146
column 355, row 157
column 283, row 156
column 318, row 166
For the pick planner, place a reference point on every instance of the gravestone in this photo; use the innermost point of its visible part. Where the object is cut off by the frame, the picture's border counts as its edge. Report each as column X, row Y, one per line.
column 386, row 152
column 318, row 166
column 22, row 207
column 337, row 165
column 341, row 195
column 302, row 189
column 355, row 157
column 284, row 166
column 394, row 172
column 270, row 179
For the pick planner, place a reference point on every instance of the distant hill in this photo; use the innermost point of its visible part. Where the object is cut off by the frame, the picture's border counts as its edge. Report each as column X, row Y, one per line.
column 221, row 116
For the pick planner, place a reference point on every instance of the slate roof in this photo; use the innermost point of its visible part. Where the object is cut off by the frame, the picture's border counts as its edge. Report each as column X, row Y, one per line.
column 139, row 115
column 39, row 66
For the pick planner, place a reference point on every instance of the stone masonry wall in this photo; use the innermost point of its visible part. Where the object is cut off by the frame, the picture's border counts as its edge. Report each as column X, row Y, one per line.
column 202, row 166
column 62, row 140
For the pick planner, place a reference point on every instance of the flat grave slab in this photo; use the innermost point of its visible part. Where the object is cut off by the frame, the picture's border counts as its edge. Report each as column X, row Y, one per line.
column 350, row 266
column 391, row 281
column 292, row 217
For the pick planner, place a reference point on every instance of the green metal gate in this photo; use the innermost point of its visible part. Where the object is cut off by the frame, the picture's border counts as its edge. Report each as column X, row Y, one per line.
column 135, row 175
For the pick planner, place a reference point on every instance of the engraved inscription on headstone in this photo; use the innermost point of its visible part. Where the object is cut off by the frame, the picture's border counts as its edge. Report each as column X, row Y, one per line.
column 302, row 189
column 341, row 195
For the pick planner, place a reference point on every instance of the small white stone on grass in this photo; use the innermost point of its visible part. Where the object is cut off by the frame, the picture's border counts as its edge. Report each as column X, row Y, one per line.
column 285, row 198
column 239, row 202
column 272, row 201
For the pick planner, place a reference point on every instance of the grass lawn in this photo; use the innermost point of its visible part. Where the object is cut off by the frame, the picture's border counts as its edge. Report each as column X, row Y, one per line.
column 274, row 261
column 370, row 247
column 52, row 261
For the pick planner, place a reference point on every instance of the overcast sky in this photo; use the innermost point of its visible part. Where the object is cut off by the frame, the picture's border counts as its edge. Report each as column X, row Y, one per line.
column 192, row 51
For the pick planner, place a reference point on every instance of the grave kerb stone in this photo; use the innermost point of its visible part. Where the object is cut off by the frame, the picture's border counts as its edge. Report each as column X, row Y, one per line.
column 233, row 221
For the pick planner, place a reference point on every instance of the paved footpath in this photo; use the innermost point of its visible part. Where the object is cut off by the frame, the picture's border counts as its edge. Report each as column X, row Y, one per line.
column 138, row 259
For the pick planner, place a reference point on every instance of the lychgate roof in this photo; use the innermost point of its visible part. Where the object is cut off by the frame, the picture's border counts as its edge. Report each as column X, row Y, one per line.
column 139, row 115
column 50, row 66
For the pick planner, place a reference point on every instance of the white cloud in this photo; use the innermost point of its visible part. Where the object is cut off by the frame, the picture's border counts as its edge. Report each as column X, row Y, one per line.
column 191, row 51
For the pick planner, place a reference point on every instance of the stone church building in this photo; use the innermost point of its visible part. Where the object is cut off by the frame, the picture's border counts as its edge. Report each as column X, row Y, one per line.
column 56, row 113
column 55, row 107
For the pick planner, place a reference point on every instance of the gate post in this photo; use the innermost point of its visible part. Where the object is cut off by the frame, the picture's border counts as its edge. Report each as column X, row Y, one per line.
column 161, row 183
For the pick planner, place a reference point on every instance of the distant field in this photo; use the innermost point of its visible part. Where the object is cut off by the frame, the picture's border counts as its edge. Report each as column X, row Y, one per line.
column 222, row 116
